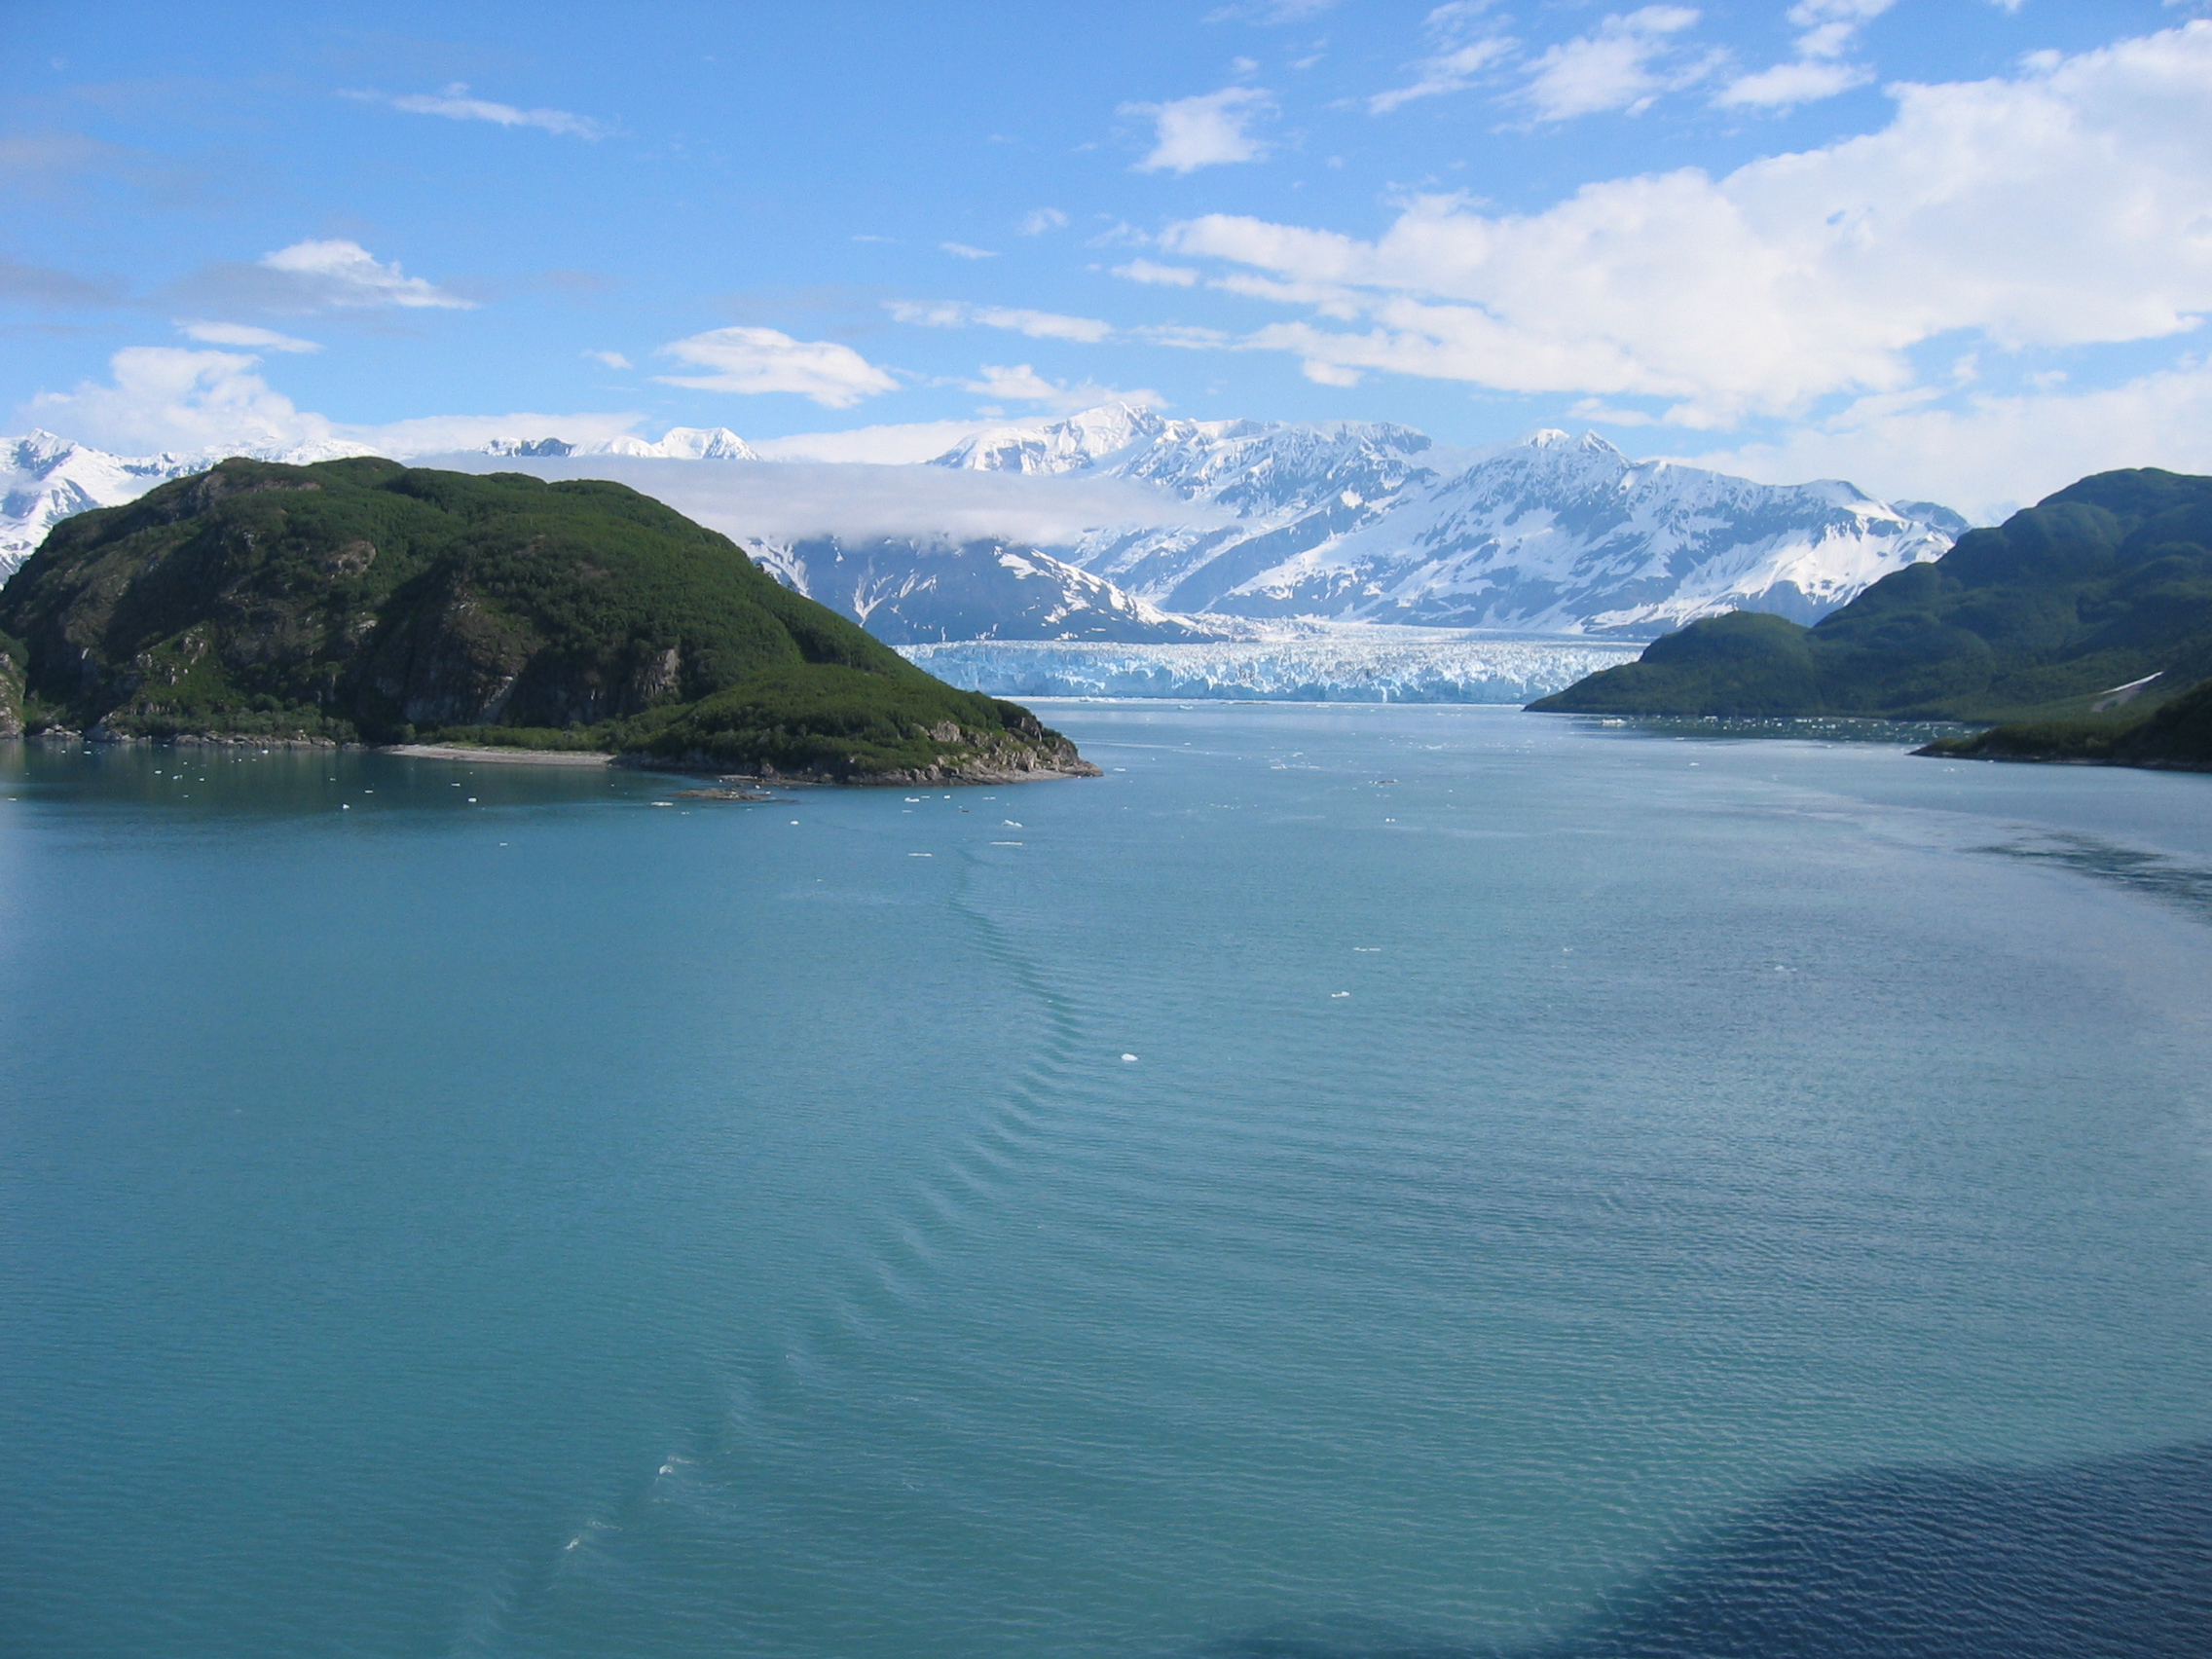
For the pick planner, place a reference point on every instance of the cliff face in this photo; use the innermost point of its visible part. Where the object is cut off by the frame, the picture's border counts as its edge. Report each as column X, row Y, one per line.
column 361, row 599
column 11, row 688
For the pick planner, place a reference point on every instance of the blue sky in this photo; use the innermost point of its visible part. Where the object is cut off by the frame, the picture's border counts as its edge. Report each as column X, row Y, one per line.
column 1952, row 248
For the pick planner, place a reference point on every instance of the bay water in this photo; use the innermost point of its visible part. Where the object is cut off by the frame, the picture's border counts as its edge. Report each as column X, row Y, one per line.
column 1351, row 1181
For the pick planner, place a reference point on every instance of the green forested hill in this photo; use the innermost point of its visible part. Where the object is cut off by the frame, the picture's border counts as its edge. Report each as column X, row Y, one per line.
column 362, row 600
column 2105, row 583
column 2177, row 734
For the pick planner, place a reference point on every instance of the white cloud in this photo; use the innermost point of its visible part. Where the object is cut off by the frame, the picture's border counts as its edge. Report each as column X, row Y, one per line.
column 1038, row 220
column 799, row 497
column 1038, row 326
column 1205, row 131
column 346, row 274
column 1830, row 29
column 1798, row 276
column 1018, row 383
column 245, row 334
column 1613, row 68
column 455, row 104
column 961, row 250
column 1159, row 275
column 1447, row 72
column 1457, row 56
column 167, row 398
column 1787, row 85
column 1184, row 338
column 612, row 359
column 749, row 360
column 1991, row 454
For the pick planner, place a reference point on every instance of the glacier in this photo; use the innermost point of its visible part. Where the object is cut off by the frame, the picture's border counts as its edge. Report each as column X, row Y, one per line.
column 1375, row 664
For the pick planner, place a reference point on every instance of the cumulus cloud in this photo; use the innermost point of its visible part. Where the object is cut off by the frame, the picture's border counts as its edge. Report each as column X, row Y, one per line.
column 961, row 250
column 1038, row 220
column 1205, row 131
column 1038, row 326
column 1797, row 277
column 170, row 397
column 1018, row 383
column 1617, row 66
column 1456, row 59
column 1993, row 454
column 345, row 274
column 750, row 360
column 1829, row 29
column 455, row 104
column 612, row 359
column 245, row 334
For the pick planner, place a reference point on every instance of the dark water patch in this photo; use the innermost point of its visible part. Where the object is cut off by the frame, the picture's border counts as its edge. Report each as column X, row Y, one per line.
column 1822, row 728
column 2104, row 1559
column 2155, row 875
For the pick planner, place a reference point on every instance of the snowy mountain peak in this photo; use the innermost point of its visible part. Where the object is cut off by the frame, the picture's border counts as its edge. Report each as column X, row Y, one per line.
column 1061, row 446
column 679, row 443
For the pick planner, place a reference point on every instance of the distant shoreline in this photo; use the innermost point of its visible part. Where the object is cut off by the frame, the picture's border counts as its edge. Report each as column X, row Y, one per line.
column 500, row 756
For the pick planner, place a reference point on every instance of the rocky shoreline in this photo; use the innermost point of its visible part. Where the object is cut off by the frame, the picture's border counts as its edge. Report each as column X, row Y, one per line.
column 1069, row 765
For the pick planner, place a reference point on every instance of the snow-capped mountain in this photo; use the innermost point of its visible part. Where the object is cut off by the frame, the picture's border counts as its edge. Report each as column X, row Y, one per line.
column 1341, row 520
column 681, row 443
column 1375, row 523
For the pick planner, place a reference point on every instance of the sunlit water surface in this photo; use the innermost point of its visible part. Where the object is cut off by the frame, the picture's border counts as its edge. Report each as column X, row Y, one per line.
column 1595, row 1193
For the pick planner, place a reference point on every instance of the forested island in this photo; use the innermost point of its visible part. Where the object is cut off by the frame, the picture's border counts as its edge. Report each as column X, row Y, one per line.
column 2080, row 629
column 363, row 600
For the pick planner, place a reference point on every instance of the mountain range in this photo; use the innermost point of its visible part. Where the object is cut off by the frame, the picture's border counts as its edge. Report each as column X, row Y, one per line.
column 1265, row 521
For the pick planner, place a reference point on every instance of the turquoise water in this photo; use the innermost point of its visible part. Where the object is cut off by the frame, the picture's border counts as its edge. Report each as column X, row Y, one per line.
column 1600, row 1193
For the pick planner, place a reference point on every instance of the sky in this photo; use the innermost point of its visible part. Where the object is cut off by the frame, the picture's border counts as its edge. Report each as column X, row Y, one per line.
column 1957, row 251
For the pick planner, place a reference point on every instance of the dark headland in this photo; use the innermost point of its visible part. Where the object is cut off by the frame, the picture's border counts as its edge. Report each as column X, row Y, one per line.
column 2079, row 630
column 366, row 602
